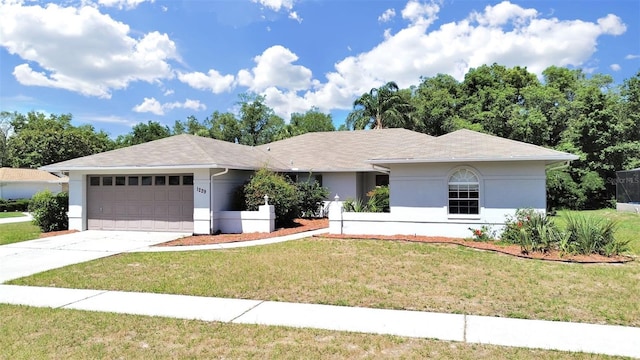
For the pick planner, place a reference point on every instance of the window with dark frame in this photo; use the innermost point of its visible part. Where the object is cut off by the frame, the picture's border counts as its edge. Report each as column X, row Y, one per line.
column 161, row 180
column 174, row 180
column 120, row 180
column 133, row 181
column 94, row 181
column 187, row 180
column 147, row 180
column 107, row 181
column 464, row 193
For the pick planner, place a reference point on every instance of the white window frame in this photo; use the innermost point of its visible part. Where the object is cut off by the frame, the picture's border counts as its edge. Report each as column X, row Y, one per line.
column 469, row 179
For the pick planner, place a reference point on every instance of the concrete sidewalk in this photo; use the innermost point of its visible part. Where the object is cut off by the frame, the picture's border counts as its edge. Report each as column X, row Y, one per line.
column 591, row 338
column 11, row 220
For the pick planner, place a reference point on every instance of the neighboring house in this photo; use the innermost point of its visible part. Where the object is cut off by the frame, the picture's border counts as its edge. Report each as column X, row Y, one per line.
column 24, row 183
column 184, row 182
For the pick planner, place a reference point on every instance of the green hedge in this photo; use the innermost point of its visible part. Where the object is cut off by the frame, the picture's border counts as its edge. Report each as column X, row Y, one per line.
column 20, row 205
column 49, row 210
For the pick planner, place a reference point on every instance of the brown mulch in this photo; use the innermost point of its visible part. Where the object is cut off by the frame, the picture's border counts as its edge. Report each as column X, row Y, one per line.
column 56, row 233
column 299, row 225
column 513, row 250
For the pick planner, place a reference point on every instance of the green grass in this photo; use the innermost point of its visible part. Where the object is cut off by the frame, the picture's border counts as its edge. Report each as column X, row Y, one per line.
column 628, row 224
column 11, row 214
column 16, row 232
column 42, row 333
column 377, row 274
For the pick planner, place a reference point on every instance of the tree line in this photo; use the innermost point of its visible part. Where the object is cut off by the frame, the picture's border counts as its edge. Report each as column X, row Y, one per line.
column 565, row 110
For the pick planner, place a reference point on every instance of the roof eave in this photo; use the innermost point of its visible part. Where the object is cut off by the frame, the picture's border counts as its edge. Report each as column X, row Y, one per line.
column 547, row 159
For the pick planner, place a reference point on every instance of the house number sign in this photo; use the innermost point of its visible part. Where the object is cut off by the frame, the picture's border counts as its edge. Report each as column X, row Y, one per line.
column 201, row 190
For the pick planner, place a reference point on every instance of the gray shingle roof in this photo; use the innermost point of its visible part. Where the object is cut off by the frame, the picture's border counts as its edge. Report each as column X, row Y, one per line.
column 467, row 145
column 180, row 151
column 322, row 151
column 340, row 150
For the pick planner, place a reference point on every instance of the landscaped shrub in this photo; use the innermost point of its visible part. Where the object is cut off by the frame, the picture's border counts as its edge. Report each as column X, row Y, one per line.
column 311, row 196
column 378, row 199
column 283, row 195
column 485, row 233
column 590, row 235
column 49, row 210
column 532, row 230
column 20, row 205
column 354, row 205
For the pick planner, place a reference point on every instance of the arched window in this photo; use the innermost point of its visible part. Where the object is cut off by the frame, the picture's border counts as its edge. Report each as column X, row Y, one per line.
column 464, row 193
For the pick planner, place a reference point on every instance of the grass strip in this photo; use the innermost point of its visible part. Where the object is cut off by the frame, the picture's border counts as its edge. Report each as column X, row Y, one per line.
column 43, row 333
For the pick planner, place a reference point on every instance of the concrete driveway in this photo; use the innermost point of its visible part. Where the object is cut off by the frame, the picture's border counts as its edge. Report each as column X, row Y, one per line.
column 34, row 256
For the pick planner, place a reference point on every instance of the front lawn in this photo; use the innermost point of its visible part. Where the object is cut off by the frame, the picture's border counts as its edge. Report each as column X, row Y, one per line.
column 377, row 274
column 16, row 232
column 42, row 333
column 10, row 214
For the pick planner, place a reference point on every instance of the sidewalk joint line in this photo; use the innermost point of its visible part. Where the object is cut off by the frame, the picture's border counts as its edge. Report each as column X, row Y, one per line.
column 464, row 333
column 83, row 299
column 246, row 311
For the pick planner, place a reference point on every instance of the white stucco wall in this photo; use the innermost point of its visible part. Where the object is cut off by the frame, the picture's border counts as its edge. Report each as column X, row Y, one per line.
column 422, row 189
column 26, row 189
column 419, row 200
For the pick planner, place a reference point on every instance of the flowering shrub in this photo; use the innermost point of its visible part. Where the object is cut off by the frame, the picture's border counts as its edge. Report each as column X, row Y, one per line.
column 483, row 234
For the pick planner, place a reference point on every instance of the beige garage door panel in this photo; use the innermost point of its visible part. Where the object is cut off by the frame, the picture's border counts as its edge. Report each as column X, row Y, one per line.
column 140, row 202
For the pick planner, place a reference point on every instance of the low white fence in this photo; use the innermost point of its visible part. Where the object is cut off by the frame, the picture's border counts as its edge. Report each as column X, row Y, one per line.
column 237, row 222
column 360, row 223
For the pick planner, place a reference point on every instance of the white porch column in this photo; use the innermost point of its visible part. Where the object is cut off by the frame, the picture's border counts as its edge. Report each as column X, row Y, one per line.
column 201, row 202
column 77, row 201
column 335, row 216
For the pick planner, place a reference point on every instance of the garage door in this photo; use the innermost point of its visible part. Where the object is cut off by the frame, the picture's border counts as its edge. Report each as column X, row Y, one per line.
column 140, row 202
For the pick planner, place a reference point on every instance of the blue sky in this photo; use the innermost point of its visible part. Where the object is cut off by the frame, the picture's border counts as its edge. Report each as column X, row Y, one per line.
column 115, row 63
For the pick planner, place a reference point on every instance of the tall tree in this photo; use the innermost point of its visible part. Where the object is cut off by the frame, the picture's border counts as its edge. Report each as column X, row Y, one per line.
column 40, row 140
column 258, row 123
column 142, row 133
column 381, row 107
column 6, row 127
column 191, row 126
column 311, row 121
column 225, row 126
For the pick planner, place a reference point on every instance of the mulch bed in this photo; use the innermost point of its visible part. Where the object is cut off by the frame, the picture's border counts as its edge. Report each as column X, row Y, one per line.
column 56, row 233
column 513, row 250
column 299, row 225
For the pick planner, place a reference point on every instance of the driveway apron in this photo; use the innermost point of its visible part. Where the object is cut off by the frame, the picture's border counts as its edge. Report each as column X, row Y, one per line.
column 34, row 256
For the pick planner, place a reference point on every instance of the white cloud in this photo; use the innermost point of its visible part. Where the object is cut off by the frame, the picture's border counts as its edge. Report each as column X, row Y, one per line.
column 212, row 81
column 294, row 16
column 81, row 49
column 387, row 15
column 615, row 67
column 274, row 68
column 632, row 57
column 155, row 107
column 506, row 34
column 503, row 13
column 420, row 13
column 276, row 5
column 123, row 4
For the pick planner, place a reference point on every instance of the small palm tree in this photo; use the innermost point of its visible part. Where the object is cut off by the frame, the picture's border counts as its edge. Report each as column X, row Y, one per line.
column 381, row 107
